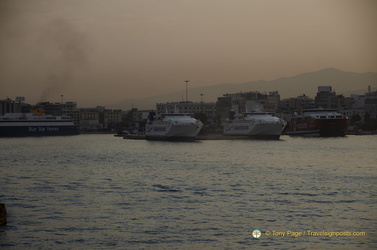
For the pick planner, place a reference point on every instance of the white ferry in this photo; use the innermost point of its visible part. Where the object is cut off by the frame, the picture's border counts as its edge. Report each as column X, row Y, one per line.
column 172, row 126
column 259, row 125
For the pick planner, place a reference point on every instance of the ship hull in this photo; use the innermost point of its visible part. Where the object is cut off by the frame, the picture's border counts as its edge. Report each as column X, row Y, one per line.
column 169, row 131
column 317, row 127
column 24, row 129
column 255, row 131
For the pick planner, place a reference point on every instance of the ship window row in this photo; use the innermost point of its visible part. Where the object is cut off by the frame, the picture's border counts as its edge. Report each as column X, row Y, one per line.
column 321, row 117
column 330, row 116
column 188, row 108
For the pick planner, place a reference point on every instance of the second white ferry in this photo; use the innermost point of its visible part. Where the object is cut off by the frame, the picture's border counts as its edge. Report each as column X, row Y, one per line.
column 172, row 126
column 260, row 125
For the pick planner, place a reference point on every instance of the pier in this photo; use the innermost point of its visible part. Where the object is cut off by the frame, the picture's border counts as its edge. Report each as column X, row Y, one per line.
column 203, row 137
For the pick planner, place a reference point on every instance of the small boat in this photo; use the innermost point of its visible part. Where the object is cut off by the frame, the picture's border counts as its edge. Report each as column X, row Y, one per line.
column 30, row 124
column 172, row 126
column 258, row 125
column 318, row 122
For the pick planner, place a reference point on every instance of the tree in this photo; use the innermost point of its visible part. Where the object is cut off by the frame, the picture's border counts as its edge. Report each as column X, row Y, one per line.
column 366, row 117
column 201, row 116
column 355, row 118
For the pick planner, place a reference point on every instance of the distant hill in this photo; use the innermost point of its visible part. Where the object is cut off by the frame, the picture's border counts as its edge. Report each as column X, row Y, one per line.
column 342, row 82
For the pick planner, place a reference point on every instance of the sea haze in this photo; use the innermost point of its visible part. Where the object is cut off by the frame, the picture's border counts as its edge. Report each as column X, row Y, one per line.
column 104, row 192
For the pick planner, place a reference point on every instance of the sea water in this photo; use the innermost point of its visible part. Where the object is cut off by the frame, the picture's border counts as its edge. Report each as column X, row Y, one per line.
column 105, row 192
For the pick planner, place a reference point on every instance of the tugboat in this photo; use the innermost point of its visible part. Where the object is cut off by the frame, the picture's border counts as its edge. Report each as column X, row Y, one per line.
column 318, row 122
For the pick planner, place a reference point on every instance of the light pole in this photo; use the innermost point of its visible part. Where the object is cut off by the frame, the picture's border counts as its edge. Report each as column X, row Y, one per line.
column 186, row 90
column 201, row 103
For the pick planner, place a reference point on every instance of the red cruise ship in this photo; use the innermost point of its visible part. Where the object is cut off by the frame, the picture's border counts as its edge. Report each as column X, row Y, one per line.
column 318, row 122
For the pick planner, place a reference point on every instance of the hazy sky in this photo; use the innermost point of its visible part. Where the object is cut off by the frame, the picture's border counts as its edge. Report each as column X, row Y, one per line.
column 100, row 52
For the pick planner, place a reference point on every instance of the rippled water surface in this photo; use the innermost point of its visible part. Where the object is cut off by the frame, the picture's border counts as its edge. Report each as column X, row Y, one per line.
column 104, row 192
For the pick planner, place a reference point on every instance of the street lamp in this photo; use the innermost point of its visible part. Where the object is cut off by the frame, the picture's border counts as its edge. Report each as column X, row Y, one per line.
column 201, row 103
column 186, row 90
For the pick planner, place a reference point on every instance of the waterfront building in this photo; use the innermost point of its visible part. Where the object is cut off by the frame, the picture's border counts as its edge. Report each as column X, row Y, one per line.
column 89, row 119
column 358, row 101
column 111, row 117
column 371, row 104
column 328, row 99
column 296, row 104
column 10, row 106
column 352, row 113
column 99, row 118
column 140, row 115
column 223, row 106
column 89, row 125
column 61, row 109
column 255, row 101
column 207, row 108
column 89, row 114
column 289, row 106
column 246, row 102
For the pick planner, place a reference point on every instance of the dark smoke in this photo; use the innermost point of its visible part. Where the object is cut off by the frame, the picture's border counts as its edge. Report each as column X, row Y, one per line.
column 65, row 49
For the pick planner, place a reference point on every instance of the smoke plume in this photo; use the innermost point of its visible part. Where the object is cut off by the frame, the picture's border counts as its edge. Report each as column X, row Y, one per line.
column 65, row 49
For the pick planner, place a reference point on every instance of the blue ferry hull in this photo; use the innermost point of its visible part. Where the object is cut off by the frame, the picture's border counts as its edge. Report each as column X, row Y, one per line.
column 39, row 130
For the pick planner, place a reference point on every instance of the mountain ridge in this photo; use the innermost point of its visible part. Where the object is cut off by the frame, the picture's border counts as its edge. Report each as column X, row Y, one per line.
column 342, row 82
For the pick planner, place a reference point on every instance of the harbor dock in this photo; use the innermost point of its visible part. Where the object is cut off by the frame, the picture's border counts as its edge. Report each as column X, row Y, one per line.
column 198, row 138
